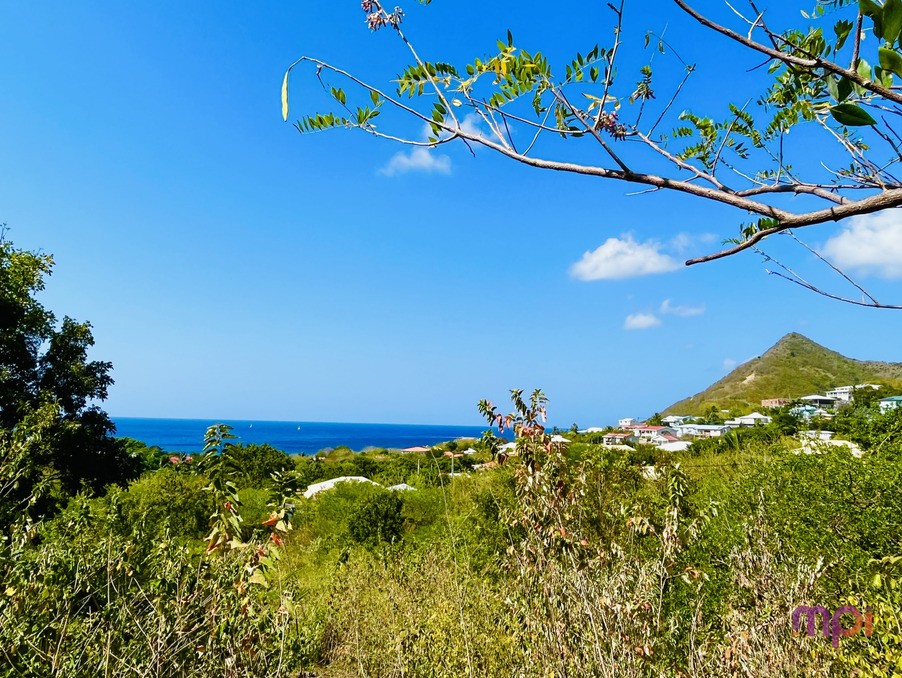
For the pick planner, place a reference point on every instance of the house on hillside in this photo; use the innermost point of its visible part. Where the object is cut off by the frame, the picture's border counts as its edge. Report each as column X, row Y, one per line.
column 645, row 433
column 847, row 393
column 675, row 419
column 891, row 403
column 663, row 438
column 748, row 420
column 618, row 438
column 775, row 402
column 626, row 421
column 701, row 430
column 818, row 400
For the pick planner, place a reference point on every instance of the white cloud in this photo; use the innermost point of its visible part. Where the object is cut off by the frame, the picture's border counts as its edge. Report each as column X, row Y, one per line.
column 472, row 124
column 425, row 159
column 869, row 244
column 684, row 241
column 682, row 311
column 729, row 363
column 418, row 159
column 640, row 321
column 623, row 257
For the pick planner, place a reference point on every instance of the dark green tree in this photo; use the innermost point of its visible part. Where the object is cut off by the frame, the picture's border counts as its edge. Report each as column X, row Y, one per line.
column 44, row 364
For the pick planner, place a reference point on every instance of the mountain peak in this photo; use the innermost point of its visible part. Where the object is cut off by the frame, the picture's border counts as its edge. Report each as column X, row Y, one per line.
column 793, row 367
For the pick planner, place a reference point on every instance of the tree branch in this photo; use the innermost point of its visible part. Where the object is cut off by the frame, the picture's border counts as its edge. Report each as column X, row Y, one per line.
column 874, row 203
column 791, row 59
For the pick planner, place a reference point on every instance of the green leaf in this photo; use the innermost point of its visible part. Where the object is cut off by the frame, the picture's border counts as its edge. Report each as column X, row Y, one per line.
column 852, row 115
column 864, row 69
column 258, row 578
column 892, row 20
column 874, row 12
column 890, row 60
column 842, row 30
column 375, row 98
column 844, row 88
column 285, row 96
column 833, row 87
column 884, row 77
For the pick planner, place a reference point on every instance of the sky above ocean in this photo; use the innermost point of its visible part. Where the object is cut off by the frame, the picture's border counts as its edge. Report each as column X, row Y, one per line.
column 231, row 267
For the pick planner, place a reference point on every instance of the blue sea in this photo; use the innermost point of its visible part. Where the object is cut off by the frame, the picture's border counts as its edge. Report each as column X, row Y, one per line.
column 293, row 437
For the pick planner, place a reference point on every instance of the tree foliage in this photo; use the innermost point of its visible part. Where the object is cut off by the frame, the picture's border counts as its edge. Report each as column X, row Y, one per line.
column 823, row 75
column 49, row 420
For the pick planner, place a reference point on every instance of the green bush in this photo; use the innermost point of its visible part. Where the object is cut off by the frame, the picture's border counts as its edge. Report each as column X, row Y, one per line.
column 169, row 500
column 257, row 464
column 254, row 509
column 377, row 520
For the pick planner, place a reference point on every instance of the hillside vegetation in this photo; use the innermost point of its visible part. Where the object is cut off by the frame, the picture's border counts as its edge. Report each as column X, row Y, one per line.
column 795, row 366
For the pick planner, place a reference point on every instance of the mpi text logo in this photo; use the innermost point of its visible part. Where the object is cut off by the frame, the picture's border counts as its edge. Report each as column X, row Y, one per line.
column 832, row 625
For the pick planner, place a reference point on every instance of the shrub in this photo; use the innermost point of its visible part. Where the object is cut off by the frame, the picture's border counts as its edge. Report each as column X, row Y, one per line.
column 169, row 500
column 257, row 463
column 378, row 519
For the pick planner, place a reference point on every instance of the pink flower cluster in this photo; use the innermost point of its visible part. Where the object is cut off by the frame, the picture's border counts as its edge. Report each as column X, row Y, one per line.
column 376, row 17
column 608, row 122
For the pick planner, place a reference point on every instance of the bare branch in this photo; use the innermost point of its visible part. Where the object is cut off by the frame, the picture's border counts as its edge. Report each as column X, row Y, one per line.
column 856, row 46
column 791, row 59
column 689, row 71
column 796, row 279
column 609, row 71
column 832, row 266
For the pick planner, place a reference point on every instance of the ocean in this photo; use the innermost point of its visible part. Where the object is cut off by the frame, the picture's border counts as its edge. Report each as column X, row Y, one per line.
column 293, row 437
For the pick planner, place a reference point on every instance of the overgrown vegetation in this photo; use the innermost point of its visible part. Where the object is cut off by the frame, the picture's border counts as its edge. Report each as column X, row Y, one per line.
column 556, row 559
column 565, row 560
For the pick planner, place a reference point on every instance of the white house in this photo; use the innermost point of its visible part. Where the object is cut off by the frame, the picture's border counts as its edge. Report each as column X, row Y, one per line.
column 846, row 393
column 646, row 433
column 675, row 419
column 701, row 430
column 890, row 403
column 628, row 421
column 747, row 420
column 660, row 438
column 818, row 400
column 618, row 438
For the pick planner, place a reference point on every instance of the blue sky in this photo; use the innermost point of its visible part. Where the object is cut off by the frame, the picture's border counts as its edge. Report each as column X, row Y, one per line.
column 233, row 268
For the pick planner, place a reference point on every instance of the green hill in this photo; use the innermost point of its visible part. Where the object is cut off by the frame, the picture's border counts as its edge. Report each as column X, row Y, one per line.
column 795, row 366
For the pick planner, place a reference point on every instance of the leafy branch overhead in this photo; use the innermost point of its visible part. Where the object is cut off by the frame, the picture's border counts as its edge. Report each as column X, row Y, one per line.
column 839, row 75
